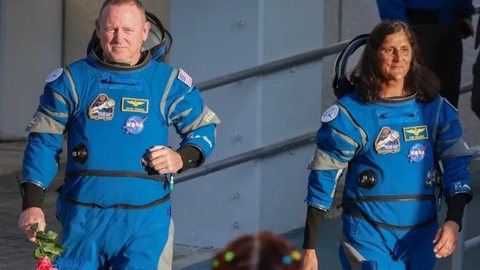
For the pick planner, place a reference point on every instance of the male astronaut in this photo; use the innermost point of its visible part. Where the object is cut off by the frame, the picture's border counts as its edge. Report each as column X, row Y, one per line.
column 115, row 106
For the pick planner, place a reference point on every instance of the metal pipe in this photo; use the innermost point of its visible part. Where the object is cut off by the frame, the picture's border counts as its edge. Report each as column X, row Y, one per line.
column 473, row 243
column 273, row 66
column 458, row 255
column 261, row 152
column 466, row 88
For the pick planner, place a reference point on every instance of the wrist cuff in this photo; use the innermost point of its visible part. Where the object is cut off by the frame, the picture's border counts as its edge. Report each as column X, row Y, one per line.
column 33, row 196
column 191, row 157
column 313, row 223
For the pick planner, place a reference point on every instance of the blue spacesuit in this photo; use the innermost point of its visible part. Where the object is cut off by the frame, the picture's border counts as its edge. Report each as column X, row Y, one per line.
column 395, row 151
column 115, row 210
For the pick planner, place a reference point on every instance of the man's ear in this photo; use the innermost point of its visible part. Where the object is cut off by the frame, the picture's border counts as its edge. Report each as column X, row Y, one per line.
column 146, row 30
column 97, row 27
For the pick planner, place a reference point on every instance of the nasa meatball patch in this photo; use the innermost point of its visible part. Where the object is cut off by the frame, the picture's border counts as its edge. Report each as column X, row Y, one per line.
column 134, row 124
column 416, row 153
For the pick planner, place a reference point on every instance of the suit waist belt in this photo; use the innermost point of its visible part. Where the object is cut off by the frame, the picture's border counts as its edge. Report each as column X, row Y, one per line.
column 118, row 205
column 361, row 214
column 154, row 177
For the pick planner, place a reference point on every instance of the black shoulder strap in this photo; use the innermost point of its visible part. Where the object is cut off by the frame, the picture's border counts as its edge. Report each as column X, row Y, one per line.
column 341, row 84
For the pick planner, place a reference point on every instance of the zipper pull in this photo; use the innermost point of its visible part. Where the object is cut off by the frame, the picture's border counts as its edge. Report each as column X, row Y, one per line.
column 170, row 181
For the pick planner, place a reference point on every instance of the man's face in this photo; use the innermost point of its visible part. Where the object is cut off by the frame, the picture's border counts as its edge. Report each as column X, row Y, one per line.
column 122, row 29
column 395, row 56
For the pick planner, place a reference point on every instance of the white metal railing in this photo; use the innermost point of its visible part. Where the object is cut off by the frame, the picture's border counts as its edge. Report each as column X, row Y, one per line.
column 463, row 245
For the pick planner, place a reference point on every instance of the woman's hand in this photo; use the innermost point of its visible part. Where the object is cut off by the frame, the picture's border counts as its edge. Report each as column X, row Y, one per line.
column 310, row 261
column 446, row 239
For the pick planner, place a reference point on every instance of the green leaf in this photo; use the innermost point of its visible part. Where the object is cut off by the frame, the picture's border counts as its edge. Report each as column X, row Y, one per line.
column 47, row 236
column 47, row 246
column 54, row 248
column 34, row 227
column 51, row 235
column 38, row 253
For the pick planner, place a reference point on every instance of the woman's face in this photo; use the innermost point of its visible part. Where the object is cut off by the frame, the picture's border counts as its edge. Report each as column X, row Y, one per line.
column 395, row 55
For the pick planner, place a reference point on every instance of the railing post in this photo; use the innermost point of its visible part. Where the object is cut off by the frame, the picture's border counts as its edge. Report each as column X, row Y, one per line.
column 457, row 257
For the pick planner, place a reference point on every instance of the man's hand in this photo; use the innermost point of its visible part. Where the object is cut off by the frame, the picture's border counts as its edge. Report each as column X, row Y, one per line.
column 29, row 217
column 446, row 239
column 164, row 160
column 310, row 261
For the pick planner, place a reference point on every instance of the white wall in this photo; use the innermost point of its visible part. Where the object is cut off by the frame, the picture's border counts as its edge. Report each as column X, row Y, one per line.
column 30, row 48
column 208, row 42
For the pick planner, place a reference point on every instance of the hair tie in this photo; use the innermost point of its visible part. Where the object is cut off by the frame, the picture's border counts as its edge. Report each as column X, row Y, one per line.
column 287, row 260
column 294, row 256
column 215, row 263
column 229, row 255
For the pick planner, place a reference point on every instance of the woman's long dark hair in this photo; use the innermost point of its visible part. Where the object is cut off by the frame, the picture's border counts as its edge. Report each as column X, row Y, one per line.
column 367, row 76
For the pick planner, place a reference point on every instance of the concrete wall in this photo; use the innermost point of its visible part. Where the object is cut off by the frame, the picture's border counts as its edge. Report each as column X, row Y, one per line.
column 31, row 36
column 30, row 46
column 208, row 42
column 344, row 19
column 79, row 23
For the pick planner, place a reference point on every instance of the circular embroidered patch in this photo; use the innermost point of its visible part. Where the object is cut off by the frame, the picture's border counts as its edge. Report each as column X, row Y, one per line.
column 330, row 113
column 54, row 75
column 416, row 153
column 134, row 125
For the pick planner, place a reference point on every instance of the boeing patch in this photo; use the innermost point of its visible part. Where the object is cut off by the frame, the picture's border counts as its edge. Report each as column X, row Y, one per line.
column 459, row 187
column 330, row 114
column 134, row 124
column 54, row 75
column 185, row 78
column 388, row 141
column 136, row 105
column 102, row 108
column 415, row 133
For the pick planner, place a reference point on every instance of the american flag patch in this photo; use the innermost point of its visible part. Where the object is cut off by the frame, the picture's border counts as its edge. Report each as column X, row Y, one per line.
column 184, row 77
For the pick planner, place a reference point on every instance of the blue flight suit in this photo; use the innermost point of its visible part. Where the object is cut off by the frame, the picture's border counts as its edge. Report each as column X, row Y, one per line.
column 114, row 209
column 393, row 151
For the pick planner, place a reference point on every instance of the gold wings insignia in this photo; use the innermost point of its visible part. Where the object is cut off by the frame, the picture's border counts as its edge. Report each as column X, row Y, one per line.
column 415, row 131
column 135, row 103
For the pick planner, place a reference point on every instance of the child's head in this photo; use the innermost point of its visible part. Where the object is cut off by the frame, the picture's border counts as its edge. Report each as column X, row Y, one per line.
column 262, row 251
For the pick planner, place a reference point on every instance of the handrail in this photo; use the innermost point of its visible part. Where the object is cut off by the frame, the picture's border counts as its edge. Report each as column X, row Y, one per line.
column 464, row 245
column 261, row 152
column 277, row 65
column 273, row 66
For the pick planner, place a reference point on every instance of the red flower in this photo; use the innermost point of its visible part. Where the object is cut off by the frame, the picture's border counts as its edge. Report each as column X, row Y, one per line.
column 44, row 264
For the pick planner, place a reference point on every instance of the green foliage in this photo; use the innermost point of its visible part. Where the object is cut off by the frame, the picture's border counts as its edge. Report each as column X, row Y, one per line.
column 47, row 245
